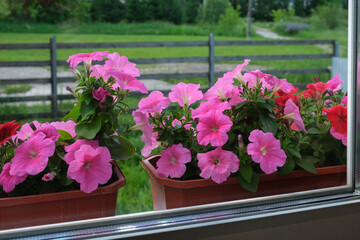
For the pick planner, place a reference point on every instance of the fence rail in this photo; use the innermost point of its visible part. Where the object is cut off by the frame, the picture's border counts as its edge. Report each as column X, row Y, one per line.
column 211, row 59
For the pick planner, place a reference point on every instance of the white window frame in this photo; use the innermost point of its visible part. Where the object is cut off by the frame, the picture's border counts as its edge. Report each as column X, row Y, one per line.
column 257, row 216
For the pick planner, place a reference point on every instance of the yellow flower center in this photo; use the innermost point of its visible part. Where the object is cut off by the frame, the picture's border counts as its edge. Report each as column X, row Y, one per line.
column 263, row 150
column 216, row 161
column 173, row 160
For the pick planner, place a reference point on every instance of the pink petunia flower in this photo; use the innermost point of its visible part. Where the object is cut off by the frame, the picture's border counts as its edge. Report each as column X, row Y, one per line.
column 155, row 102
column 266, row 150
column 91, row 167
column 335, row 83
column 68, row 126
column 212, row 104
column 31, row 157
column 212, row 128
column 172, row 161
column 100, row 95
column 50, row 131
column 26, row 131
column 236, row 73
column 185, row 94
column 126, row 81
column 220, row 89
column 344, row 101
column 217, row 164
column 148, row 137
column 71, row 149
column 97, row 71
column 48, row 176
column 9, row 181
column 122, row 64
column 339, row 136
column 292, row 113
column 276, row 84
column 81, row 57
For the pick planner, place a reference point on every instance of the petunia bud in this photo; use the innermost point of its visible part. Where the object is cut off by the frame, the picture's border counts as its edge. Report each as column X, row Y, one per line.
column 241, row 142
column 87, row 65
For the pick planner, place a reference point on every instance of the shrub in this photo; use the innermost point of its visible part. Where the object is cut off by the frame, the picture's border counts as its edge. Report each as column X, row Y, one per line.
column 280, row 15
column 211, row 11
column 329, row 16
column 230, row 24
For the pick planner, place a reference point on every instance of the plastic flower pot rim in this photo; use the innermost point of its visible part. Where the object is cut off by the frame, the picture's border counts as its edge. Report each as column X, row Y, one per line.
column 150, row 161
column 46, row 197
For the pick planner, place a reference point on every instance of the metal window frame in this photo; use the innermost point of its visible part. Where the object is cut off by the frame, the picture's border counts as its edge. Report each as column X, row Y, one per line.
column 242, row 217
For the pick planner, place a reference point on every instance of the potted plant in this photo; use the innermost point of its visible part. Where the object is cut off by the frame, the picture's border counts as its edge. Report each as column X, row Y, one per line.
column 61, row 171
column 249, row 135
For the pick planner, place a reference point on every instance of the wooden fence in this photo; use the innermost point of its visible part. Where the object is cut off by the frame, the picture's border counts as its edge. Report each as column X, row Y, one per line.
column 211, row 59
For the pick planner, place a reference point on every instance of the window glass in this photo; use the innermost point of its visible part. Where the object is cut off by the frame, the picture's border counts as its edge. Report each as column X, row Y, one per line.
column 254, row 118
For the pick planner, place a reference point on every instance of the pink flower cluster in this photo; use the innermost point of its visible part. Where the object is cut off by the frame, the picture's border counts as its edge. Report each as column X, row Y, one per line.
column 116, row 66
column 32, row 155
column 210, row 118
column 89, row 164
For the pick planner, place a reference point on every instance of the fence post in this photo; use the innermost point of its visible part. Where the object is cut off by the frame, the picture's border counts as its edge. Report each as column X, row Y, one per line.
column 336, row 50
column 211, row 60
column 53, row 66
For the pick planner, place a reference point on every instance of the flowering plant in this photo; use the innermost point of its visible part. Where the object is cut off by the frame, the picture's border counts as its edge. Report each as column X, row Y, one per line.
column 74, row 153
column 244, row 125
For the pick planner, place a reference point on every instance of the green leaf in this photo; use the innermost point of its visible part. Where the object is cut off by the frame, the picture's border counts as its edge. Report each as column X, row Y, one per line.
column 87, row 98
column 288, row 167
column 89, row 130
column 64, row 135
column 246, row 173
column 306, row 163
column 250, row 186
column 314, row 130
column 120, row 148
column 88, row 109
column 268, row 123
column 294, row 151
column 64, row 181
column 73, row 114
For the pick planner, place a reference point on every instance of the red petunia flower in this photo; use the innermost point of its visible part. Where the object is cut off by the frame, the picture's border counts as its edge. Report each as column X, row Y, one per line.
column 338, row 118
column 283, row 97
column 315, row 90
column 7, row 130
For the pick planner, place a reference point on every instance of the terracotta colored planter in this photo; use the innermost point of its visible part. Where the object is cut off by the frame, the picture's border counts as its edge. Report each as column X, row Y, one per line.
column 170, row 193
column 61, row 207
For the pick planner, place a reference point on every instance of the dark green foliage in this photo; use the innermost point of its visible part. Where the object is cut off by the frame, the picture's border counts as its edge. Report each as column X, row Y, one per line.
column 49, row 11
column 230, row 23
column 191, row 10
column 211, row 11
column 262, row 9
column 323, row 16
column 107, row 11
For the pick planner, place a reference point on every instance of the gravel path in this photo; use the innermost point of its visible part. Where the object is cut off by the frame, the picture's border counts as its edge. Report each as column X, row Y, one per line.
column 268, row 33
column 151, row 84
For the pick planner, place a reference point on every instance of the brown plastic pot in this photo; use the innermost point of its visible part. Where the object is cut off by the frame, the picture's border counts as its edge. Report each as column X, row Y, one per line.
column 62, row 206
column 170, row 193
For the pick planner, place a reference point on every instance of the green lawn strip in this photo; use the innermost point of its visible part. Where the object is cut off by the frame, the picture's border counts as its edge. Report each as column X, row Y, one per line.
column 135, row 196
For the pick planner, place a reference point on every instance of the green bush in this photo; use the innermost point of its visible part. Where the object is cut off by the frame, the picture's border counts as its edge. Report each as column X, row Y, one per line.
column 211, row 11
column 230, row 24
column 281, row 15
column 329, row 16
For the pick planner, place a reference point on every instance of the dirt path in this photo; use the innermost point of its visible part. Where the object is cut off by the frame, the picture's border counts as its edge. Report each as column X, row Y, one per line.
column 151, row 84
column 268, row 33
